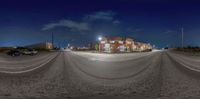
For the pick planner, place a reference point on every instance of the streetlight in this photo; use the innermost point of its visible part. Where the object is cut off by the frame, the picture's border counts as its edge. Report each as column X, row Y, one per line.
column 99, row 38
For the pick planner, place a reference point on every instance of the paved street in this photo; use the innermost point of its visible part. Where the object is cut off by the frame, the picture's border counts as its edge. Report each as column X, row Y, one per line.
column 82, row 75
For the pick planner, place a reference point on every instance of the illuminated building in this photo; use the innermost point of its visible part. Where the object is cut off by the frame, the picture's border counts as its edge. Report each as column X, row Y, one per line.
column 121, row 44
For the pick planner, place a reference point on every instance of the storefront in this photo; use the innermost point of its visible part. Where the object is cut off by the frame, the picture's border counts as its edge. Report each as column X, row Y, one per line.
column 121, row 44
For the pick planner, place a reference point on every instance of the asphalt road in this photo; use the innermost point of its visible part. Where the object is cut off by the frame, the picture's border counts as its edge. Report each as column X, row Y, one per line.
column 78, row 75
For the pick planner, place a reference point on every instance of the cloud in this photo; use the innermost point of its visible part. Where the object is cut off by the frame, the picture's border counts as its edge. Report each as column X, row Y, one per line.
column 116, row 22
column 108, row 16
column 169, row 32
column 134, row 30
column 72, row 25
column 87, row 22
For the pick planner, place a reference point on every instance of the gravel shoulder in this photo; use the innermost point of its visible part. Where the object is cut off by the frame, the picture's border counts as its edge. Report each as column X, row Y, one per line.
column 178, row 83
column 47, row 83
column 192, row 63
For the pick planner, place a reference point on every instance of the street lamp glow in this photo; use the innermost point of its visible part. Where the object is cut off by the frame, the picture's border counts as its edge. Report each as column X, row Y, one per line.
column 100, row 38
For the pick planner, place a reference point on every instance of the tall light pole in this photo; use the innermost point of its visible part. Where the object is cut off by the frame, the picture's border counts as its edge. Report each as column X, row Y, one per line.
column 182, row 37
column 100, row 38
column 52, row 39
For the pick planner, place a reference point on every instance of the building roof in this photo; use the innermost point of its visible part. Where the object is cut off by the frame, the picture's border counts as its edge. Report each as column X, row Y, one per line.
column 116, row 38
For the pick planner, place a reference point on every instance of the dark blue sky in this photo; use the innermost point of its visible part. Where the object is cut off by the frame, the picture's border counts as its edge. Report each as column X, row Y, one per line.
column 79, row 22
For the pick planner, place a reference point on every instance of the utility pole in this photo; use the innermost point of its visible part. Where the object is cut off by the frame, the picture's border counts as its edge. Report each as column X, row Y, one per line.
column 52, row 39
column 182, row 37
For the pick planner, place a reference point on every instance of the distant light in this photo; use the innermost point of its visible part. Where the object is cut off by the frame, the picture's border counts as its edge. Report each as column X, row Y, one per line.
column 100, row 38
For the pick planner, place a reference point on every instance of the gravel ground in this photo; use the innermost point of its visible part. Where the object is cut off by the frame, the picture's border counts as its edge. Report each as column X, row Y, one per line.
column 164, row 79
column 178, row 83
column 46, row 83
column 142, row 86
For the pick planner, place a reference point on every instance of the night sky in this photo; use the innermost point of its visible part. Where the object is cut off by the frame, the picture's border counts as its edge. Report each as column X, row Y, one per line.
column 79, row 22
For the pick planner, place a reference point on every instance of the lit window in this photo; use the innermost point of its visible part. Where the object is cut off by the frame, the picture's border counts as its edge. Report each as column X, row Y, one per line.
column 112, row 41
column 103, row 42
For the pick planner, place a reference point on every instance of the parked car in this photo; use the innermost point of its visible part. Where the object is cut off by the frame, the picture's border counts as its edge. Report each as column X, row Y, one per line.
column 30, row 52
column 14, row 53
